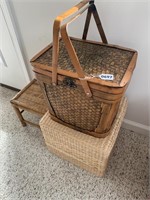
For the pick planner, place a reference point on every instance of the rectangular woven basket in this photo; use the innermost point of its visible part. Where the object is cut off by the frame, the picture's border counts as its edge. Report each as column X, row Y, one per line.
column 69, row 73
column 85, row 151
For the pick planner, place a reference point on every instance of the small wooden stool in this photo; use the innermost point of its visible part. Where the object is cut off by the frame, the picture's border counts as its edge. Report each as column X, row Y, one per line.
column 30, row 99
column 85, row 151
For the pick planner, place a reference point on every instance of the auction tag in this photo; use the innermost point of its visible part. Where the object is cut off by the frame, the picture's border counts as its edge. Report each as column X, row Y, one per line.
column 108, row 77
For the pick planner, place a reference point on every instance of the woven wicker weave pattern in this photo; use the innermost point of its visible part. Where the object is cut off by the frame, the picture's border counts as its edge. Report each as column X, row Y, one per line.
column 95, row 59
column 32, row 98
column 85, row 151
column 67, row 102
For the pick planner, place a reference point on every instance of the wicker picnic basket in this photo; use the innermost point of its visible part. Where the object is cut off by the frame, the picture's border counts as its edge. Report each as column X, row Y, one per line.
column 70, row 72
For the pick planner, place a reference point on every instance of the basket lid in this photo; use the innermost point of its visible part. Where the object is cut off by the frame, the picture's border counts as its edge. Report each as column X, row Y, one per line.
column 96, row 59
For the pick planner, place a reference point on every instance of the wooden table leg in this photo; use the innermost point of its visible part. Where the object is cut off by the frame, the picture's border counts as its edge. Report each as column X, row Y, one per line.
column 19, row 115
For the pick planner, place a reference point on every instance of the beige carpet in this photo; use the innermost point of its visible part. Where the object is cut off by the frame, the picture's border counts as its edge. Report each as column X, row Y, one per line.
column 28, row 171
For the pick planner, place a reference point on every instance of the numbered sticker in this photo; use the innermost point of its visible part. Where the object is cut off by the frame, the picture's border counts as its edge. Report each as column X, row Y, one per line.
column 108, row 77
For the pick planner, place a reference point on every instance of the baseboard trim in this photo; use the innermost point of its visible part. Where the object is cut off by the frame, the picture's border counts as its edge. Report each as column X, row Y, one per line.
column 9, row 87
column 136, row 127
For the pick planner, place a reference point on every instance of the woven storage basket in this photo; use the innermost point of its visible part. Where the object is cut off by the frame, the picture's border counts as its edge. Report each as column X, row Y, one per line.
column 69, row 73
column 85, row 151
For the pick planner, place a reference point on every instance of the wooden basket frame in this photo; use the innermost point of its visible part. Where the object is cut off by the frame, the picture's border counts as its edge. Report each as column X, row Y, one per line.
column 108, row 93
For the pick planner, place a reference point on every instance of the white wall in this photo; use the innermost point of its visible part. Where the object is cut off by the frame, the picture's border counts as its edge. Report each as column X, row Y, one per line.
column 125, row 23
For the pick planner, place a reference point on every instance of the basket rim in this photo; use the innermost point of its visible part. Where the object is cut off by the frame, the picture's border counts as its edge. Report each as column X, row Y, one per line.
column 122, row 83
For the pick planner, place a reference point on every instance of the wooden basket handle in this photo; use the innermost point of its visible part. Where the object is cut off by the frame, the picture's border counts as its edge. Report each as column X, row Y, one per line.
column 56, row 30
column 68, row 43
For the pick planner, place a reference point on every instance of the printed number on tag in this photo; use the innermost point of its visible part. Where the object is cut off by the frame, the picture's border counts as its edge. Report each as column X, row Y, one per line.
column 108, row 77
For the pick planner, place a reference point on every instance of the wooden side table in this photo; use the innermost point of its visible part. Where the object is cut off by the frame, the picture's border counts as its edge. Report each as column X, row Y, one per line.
column 29, row 99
